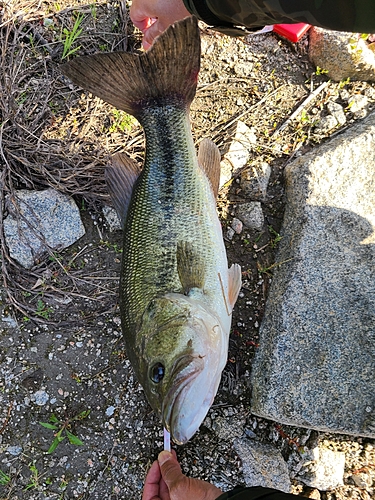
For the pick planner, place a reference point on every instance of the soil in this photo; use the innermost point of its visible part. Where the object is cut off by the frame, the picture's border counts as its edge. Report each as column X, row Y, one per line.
column 62, row 360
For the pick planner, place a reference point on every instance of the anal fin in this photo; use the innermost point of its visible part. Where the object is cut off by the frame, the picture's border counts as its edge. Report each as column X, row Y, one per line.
column 120, row 175
column 235, row 282
column 209, row 160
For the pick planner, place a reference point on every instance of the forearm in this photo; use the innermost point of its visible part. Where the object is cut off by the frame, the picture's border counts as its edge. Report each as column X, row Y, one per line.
column 340, row 15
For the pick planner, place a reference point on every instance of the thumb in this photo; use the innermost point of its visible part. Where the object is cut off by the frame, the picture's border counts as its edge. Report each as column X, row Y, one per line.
column 170, row 468
column 149, row 34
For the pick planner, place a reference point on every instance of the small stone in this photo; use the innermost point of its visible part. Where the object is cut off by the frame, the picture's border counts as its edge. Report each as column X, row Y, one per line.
column 263, row 465
column 110, row 411
column 40, row 398
column 255, row 179
column 230, row 233
column 14, row 450
column 337, row 111
column 251, row 215
column 112, row 218
column 323, row 469
column 357, row 102
column 361, row 480
column 311, row 493
column 327, row 123
column 238, row 153
column 370, row 92
column 237, row 226
column 228, row 430
column 9, row 321
column 359, row 115
column 344, row 94
column 243, row 69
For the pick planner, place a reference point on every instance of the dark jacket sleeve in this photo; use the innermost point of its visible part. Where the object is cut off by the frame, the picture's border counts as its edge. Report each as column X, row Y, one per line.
column 256, row 493
column 341, row 15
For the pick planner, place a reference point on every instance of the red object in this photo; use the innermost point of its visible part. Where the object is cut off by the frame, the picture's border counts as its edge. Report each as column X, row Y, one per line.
column 292, row 32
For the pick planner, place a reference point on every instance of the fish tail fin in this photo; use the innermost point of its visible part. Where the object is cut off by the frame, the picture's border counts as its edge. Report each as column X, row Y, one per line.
column 165, row 74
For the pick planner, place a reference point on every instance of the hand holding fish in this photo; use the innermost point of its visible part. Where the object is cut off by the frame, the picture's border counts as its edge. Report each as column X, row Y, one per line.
column 165, row 481
column 153, row 17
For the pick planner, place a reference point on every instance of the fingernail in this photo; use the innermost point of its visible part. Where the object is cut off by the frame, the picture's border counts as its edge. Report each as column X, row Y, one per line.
column 164, row 456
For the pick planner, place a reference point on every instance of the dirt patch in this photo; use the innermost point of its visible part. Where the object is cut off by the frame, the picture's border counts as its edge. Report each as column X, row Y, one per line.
column 65, row 363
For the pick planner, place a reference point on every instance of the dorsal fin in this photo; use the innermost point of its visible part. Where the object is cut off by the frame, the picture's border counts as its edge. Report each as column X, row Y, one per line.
column 209, row 160
column 166, row 73
column 120, row 175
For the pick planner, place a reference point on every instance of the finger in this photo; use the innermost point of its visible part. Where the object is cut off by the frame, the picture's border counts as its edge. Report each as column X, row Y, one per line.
column 169, row 467
column 140, row 14
column 151, row 33
column 142, row 24
column 152, row 483
column 164, row 490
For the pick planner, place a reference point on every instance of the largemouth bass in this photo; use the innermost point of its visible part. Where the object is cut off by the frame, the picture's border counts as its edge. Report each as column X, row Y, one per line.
column 176, row 292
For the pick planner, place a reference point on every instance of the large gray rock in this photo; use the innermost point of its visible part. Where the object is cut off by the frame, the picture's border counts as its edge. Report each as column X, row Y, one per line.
column 40, row 219
column 263, row 465
column 316, row 361
column 343, row 55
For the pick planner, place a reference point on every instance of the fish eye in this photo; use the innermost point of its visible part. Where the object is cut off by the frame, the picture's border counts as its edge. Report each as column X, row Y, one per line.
column 157, row 373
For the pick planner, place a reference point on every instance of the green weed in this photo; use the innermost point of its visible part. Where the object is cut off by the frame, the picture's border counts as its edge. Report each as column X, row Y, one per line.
column 4, row 478
column 69, row 37
column 344, row 82
column 111, row 246
column 62, row 428
column 34, row 478
column 277, row 237
column 93, row 10
column 267, row 269
column 122, row 121
column 304, row 118
column 320, row 71
column 42, row 309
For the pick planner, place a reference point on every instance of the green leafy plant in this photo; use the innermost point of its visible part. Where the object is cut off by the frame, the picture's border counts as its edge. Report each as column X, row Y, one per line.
column 267, row 269
column 277, row 237
column 93, row 10
column 4, row 478
column 344, row 82
column 122, row 121
column 69, row 37
column 320, row 71
column 111, row 246
column 63, row 429
column 42, row 309
column 34, row 478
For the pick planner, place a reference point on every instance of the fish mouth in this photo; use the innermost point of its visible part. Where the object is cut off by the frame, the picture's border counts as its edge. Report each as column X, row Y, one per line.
column 183, row 412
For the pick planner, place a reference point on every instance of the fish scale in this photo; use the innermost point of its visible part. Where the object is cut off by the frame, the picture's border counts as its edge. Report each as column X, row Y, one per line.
column 172, row 202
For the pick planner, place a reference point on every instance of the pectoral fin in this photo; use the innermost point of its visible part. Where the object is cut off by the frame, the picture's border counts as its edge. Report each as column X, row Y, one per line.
column 235, row 282
column 190, row 267
column 120, row 176
column 209, row 160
